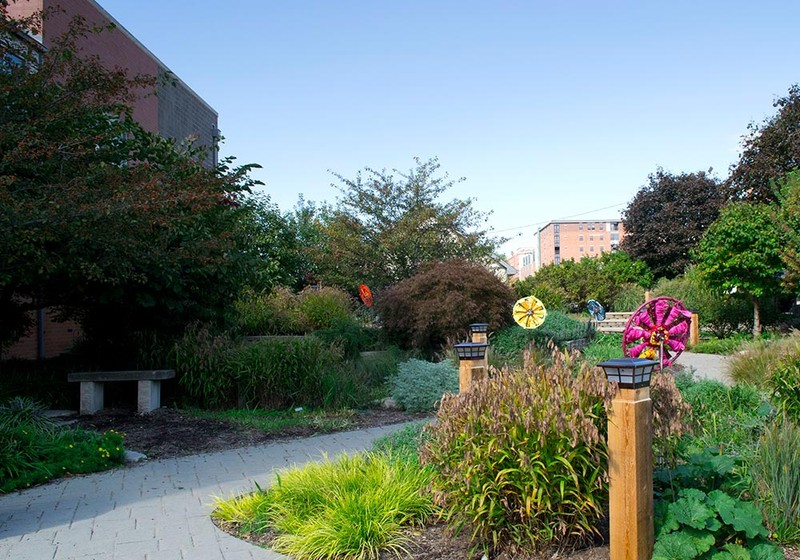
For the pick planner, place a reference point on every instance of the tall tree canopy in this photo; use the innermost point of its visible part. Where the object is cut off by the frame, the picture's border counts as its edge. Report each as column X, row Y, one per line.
column 769, row 152
column 741, row 253
column 387, row 224
column 109, row 223
column 569, row 285
column 667, row 218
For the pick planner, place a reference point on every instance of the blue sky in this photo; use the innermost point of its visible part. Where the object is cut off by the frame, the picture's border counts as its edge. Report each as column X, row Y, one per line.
column 549, row 110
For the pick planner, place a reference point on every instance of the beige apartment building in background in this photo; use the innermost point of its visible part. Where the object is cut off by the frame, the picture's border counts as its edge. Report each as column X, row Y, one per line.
column 565, row 240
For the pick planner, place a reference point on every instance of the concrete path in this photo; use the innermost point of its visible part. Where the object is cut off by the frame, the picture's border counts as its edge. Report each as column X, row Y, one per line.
column 155, row 510
column 709, row 366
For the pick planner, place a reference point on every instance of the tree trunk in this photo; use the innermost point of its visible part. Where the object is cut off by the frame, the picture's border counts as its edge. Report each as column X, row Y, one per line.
column 756, row 317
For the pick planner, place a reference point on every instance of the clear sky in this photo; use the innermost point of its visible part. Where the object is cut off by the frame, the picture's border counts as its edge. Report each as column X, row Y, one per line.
column 550, row 110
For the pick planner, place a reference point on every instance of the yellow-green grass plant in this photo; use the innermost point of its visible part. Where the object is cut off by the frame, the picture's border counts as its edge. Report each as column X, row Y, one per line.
column 775, row 473
column 756, row 361
column 348, row 508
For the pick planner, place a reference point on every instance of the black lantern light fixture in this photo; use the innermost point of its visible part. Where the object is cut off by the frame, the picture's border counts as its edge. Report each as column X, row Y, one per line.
column 471, row 350
column 630, row 373
column 479, row 328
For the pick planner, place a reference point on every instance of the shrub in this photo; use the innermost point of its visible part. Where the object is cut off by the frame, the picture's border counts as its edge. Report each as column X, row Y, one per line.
column 775, row 473
column 351, row 336
column 350, row 508
column 274, row 313
column 419, row 385
column 201, row 365
column 323, row 308
column 279, row 372
column 724, row 346
column 720, row 314
column 521, row 458
column 755, row 363
column 784, row 382
column 439, row 303
column 629, row 298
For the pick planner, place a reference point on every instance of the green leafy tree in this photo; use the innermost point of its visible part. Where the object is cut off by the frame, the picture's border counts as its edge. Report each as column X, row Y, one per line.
column 667, row 218
column 769, row 152
column 387, row 225
column 741, row 253
column 571, row 284
column 788, row 209
column 113, row 225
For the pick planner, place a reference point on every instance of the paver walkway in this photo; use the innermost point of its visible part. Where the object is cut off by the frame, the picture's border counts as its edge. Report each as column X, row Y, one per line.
column 155, row 510
column 709, row 366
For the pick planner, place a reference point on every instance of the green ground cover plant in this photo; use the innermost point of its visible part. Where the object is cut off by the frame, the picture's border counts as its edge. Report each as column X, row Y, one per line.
column 712, row 525
column 726, row 418
column 31, row 455
column 508, row 344
column 520, row 460
column 723, row 346
column 419, row 385
column 403, row 443
column 350, row 508
column 604, row 346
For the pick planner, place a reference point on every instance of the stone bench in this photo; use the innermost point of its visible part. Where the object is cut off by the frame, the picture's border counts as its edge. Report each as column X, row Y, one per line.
column 149, row 393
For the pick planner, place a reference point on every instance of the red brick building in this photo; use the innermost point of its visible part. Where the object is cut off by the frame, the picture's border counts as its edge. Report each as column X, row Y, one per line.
column 175, row 112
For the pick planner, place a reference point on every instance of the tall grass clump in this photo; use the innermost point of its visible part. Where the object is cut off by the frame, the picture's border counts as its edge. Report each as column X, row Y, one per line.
column 784, row 382
column 756, row 360
column 521, row 459
column 775, row 473
column 201, row 364
column 323, row 308
column 418, row 385
column 351, row 508
column 279, row 373
column 274, row 313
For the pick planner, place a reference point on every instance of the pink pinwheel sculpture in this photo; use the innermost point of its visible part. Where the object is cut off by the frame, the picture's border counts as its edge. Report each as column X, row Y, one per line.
column 657, row 330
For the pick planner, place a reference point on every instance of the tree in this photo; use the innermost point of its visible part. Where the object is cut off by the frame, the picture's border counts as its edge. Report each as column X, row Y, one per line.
column 114, row 226
column 788, row 209
column 769, row 152
column 741, row 253
column 571, row 284
column 387, row 225
column 667, row 218
column 438, row 304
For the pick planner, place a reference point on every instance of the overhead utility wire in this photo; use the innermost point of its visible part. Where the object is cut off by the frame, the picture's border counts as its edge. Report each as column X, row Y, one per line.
column 559, row 219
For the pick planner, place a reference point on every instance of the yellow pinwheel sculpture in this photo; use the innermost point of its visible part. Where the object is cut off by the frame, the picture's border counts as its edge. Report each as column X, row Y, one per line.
column 529, row 312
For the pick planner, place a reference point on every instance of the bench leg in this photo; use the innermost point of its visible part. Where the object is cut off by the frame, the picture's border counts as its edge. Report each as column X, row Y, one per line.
column 149, row 397
column 91, row 397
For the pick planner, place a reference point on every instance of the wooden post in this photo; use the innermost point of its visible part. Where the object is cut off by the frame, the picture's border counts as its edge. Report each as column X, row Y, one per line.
column 630, row 469
column 647, row 296
column 469, row 371
column 694, row 329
